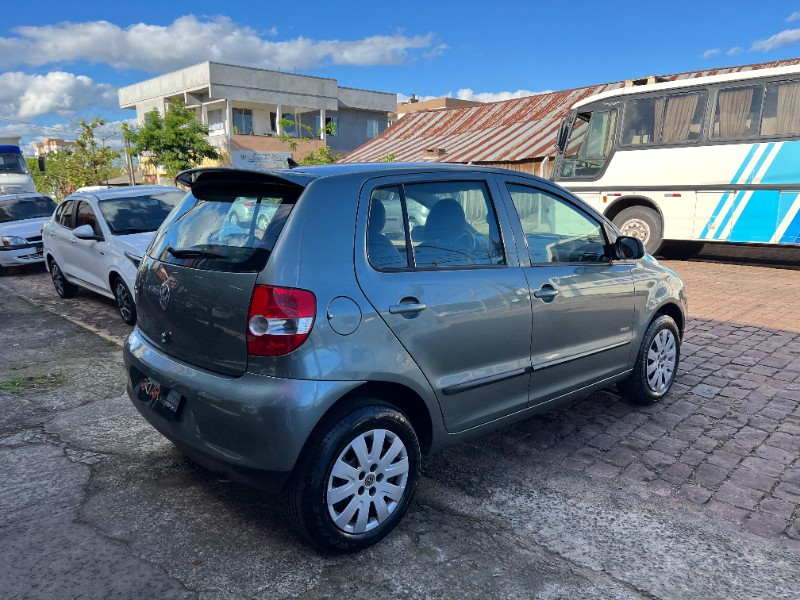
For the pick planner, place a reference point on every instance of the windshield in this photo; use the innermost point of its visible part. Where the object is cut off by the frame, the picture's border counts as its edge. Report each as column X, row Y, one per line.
column 138, row 214
column 219, row 228
column 589, row 144
column 12, row 162
column 26, row 208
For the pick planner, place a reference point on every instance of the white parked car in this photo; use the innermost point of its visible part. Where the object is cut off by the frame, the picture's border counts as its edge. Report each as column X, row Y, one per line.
column 21, row 219
column 96, row 239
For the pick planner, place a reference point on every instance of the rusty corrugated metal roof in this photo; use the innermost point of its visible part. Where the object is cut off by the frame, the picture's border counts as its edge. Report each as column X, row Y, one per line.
column 506, row 131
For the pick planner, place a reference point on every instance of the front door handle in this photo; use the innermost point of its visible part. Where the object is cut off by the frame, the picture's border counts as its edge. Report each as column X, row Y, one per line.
column 402, row 309
column 546, row 293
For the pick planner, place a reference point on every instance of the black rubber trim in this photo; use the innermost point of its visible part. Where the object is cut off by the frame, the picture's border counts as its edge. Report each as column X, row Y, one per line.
column 483, row 381
column 566, row 359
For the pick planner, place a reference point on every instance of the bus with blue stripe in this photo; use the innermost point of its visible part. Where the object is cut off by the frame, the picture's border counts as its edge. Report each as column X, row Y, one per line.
column 14, row 175
column 683, row 163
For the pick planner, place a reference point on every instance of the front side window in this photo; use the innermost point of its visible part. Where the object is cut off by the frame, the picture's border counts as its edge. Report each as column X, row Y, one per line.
column 555, row 230
column 85, row 216
column 781, row 109
column 433, row 225
column 64, row 214
column 737, row 111
column 243, row 121
column 589, row 144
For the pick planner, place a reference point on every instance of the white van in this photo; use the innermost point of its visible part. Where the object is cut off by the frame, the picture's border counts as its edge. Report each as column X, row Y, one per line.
column 14, row 175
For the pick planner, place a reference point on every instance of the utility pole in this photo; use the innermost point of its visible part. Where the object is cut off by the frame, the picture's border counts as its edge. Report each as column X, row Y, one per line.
column 129, row 162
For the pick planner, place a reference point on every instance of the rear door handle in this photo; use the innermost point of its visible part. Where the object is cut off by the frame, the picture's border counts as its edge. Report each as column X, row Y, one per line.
column 546, row 293
column 401, row 309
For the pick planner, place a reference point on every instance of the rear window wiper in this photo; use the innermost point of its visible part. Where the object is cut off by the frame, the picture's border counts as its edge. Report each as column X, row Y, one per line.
column 193, row 253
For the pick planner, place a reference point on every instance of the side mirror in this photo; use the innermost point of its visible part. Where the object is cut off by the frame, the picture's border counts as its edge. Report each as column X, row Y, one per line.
column 85, row 232
column 627, row 247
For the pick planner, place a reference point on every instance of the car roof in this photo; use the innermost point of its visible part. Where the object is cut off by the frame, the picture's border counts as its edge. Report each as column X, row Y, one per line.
column 126, row 191
column 303, row 174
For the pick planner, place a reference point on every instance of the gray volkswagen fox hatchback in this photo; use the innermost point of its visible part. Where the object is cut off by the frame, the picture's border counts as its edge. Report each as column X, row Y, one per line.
column 326, row 347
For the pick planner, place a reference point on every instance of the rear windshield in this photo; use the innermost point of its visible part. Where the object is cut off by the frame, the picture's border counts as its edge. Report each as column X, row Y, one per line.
column 139, row 214
column 26, row 208
column 222, row 229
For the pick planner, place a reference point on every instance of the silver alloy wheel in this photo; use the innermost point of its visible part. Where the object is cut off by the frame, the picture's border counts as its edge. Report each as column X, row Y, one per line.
column 637, row 228
column 263, row 222
column 58, row 281
column 661, row 358
column 124, row 300
column 367, row 481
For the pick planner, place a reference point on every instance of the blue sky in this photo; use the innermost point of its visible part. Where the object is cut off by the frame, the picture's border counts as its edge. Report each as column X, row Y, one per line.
column 63, row 61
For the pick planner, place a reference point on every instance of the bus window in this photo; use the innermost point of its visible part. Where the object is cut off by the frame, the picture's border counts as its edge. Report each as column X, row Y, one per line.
column 683, row 118
column 640, row 123
column 737, row 111
column 589, row 144
column 781, row 109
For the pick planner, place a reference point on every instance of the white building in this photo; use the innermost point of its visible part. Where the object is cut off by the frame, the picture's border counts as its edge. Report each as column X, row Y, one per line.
column 243, row 106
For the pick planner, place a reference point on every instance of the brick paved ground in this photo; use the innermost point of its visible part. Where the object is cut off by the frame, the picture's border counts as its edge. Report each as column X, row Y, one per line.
column 726, row 439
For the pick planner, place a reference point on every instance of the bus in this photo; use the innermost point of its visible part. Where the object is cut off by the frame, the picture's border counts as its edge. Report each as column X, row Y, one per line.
column 14, row 175
column 682, row 163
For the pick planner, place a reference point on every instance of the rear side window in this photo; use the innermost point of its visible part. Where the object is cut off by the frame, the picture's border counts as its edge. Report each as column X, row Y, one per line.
column 433, row 225
column 225, row 228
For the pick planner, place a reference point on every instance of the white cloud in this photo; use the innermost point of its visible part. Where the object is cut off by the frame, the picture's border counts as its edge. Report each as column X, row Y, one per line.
column 468, row 94
column 795, row 16
column 709, row 53
column 189, row 40
column 26, row 96
column 404, row 98
column 784, row 38
column 734, row 51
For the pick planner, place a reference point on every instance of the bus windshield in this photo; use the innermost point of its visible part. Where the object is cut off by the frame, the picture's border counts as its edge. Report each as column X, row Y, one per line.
column 588, row 144
column 12, row 162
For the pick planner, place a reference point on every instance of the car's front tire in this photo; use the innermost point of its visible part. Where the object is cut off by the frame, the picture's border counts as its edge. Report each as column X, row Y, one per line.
column 355, row 479
column 64, row 288
column 124, row 298
column 656, row 363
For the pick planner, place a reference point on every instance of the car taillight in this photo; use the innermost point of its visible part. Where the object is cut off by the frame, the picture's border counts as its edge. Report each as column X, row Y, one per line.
column 279, row 320
column 249, row 204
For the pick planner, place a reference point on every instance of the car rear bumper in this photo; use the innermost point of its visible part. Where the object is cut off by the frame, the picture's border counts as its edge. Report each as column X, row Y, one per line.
column 251, row 428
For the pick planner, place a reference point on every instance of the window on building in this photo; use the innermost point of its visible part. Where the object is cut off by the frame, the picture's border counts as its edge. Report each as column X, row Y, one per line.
column 332, row 123
column 243, row 121
column 216, row 121
column 373, row 129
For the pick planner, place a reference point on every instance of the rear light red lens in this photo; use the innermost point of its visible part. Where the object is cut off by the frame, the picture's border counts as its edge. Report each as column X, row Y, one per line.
column 249, row 204
column 279, row 320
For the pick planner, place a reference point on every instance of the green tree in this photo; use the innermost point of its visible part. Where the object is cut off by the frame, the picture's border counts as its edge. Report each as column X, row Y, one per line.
column 90, row 162
column 322, row 155
column 175, row 141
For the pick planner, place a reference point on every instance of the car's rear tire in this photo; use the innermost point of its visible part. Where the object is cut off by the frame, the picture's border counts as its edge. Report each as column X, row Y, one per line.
column 656, row 363
column 124, row 298
column 64, row 288
column 234, row 219
column 3, row 270
column 355, row 478
column 643, row 223
column 263, row 222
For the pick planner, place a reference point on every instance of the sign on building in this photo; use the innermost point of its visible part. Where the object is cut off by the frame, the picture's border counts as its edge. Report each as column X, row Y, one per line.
column 260, row 161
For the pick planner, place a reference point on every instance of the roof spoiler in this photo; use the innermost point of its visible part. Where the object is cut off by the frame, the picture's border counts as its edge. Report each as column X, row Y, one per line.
column 202, row 175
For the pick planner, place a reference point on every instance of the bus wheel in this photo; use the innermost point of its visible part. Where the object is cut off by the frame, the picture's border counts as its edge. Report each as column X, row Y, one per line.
column 642, row 223
column 681, row 250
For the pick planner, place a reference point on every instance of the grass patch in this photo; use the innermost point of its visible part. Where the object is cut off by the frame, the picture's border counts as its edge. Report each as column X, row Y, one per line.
column 33, row 383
